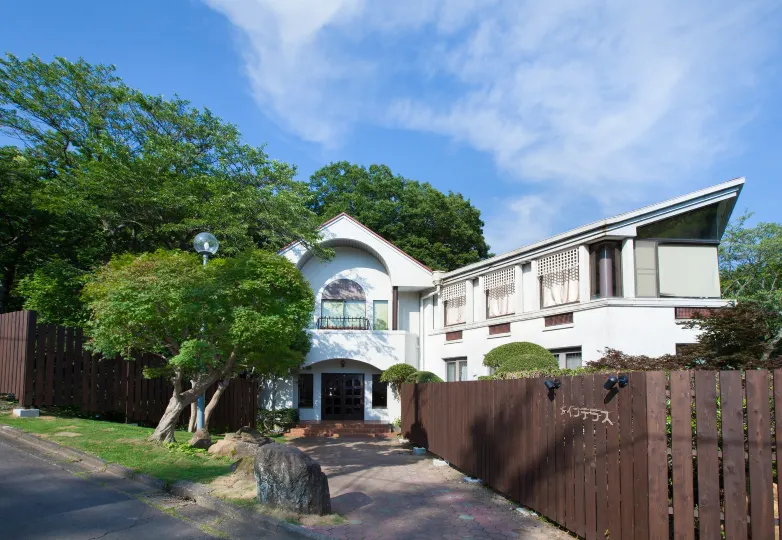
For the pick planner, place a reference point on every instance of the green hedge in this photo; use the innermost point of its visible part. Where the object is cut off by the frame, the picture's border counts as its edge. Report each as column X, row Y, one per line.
column 423, row 377
column 521, row 355
column 396, row 375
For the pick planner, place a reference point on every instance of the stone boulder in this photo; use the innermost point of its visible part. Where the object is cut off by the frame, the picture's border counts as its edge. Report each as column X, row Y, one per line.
column 289, row 479
column 243, row 443
column 201, row 439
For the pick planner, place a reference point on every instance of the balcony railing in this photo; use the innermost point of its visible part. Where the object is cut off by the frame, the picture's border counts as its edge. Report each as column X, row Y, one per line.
column 343, row 323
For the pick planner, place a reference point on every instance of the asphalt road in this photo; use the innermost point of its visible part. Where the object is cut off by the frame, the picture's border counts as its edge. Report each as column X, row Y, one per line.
column 41, row 500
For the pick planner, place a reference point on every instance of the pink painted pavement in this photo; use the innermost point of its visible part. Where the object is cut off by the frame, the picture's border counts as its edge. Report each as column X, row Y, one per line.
column 386, row 493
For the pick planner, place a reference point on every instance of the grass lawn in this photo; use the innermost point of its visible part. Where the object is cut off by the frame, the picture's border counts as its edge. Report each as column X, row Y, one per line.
column 126, row 445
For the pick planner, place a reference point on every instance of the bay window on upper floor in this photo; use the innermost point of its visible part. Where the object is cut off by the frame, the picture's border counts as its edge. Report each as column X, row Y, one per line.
column 500, row 290
column 558, row 276
column 454, row 299
column 677, row 256
column 605, row 269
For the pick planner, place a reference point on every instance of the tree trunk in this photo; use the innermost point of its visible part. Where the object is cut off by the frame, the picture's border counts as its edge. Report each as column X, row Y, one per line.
column 221, row 387
column 164, row 432
column 193, row 416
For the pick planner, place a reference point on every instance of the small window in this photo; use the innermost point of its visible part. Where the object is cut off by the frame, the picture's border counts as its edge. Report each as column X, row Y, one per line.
column 454, row 303
column 305, row 391
column 380, row 315
column 379, row 393
column 500, row 288
column 456, row 370
column 558, row 277
column 569, row 358
column 556, row 320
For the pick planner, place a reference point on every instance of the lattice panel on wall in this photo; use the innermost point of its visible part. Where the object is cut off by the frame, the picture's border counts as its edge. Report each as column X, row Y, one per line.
column 454, row 291
column 500, row 283
column 564, row 260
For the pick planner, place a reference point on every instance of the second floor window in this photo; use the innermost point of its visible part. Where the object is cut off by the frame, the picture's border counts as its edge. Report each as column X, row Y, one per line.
column 500, row 288
column 343, row 305
column 454, row 303
column 558, row 276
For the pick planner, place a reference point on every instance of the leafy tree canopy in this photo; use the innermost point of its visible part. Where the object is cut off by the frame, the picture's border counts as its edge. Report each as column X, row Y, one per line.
column 442, row 231
column 106, row 169
column 254, row 309
column 397, row 375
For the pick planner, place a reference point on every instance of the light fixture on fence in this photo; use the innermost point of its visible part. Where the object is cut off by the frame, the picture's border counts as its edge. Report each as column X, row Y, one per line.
column 613, row 380
column 551, row 385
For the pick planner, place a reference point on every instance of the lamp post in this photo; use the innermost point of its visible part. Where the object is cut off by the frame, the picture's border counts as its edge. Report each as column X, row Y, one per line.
column 205, row 244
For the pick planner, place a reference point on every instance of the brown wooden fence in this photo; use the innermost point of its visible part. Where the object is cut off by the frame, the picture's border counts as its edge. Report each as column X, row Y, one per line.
column 46, row 365
column 686, row 455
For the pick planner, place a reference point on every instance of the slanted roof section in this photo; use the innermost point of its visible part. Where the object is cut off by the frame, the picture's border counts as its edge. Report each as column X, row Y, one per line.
column 623, row 225
column 345, row 231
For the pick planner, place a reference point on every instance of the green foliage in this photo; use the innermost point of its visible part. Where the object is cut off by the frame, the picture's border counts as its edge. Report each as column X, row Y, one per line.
column 442, row 231
column 396, row 375
column 520, row 354
column 109, row 170
column 751, row 263
column 52, row 290
column 397, row 422
column 275, row 421
column 423, row 377
column 255, row 308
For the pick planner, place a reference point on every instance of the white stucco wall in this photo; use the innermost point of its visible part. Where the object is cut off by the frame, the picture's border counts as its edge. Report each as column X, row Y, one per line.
column 353, row 264
column 634, row 329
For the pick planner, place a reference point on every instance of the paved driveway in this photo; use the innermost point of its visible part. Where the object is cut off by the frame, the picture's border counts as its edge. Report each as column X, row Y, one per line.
column 387, row 493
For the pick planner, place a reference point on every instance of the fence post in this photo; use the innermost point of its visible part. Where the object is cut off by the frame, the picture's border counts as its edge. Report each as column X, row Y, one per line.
column 28, row 355
column 657, row 455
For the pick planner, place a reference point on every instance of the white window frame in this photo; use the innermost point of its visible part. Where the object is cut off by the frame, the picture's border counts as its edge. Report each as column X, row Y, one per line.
column 454, row 294
column 563, row 353
column 500, row 284
column 457, row 363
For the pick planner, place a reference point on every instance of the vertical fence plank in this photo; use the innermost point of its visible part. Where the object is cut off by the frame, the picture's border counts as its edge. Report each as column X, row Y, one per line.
column 590, row 505
column 59, row 367
column 28, row 374
column 599, row 395
column 86, row 389
column 561, row 467
column 657, row 456
column 577, row 395
column 614, row 470
column 40, row 363
column 94, row 383
column 681, row 444
column 733, row 464
column 778, row 434
column 551, row 466
column 761, row 494
column 51, row 362
column 709, row 522
column 639, row 455
column 78, row 355
column 569, row 466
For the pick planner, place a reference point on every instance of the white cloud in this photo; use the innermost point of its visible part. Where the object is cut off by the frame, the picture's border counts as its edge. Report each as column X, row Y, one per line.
column 607, row 98
column 521, row 221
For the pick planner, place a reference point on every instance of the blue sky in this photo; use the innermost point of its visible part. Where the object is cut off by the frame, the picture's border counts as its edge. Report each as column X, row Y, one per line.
column 545, row 116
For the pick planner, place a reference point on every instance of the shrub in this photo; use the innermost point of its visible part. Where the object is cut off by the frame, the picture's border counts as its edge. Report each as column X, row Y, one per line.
column 523, row 354
column 396, row 375
column 275, row 421
column 423, row 377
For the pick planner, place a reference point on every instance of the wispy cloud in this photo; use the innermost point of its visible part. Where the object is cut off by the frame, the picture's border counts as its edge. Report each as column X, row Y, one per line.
column 607, row 98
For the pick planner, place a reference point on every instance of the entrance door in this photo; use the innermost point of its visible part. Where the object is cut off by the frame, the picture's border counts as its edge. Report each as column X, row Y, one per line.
column 342, row 396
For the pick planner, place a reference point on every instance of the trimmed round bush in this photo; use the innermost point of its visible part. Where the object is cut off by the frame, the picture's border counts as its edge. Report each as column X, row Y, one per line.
column 525, row 362
column 422, row 377
column 396, row 375
column 523, row 354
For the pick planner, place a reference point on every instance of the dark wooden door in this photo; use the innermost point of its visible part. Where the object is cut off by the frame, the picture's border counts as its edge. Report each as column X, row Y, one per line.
column 342, row 396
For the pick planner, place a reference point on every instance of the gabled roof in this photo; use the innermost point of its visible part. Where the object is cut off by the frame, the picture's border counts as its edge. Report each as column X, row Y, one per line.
column 345, row 215
column 620, row 225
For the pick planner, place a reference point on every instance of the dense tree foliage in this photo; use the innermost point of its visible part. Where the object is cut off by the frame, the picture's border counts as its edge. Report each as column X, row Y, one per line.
column 106, row 169
column 520, row 355
column 442, row 231
column 397, row 375
column 247, row 312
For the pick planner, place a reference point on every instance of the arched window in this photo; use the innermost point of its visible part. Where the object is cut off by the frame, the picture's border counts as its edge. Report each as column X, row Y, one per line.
column 343, row 306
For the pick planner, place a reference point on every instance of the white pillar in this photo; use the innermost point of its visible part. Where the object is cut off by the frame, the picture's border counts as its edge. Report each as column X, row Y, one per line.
column 532, row 286
column 628, row 268
column 518, row 283
column 480, row 311
column 584, row 294
column 470, row 301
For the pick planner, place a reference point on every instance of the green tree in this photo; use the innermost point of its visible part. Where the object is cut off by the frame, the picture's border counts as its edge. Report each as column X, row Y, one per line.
column 442, row 231
column 126, row 172
column 397, row 375
column 254, row 309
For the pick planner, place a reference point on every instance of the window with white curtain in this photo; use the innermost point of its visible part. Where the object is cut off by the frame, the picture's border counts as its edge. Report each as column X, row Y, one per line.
column 454, row 298
column 558, row 276
column 500, row 290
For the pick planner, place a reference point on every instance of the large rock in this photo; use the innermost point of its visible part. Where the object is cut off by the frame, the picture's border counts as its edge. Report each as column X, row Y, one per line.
column 289, row 479
column 243, row 443
column 201, row 439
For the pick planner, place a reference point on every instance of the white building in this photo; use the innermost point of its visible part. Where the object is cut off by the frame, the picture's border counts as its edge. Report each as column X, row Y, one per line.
column 623, row 283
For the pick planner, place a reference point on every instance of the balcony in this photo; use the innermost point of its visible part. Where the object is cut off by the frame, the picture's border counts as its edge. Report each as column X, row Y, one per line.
column 344, row 323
